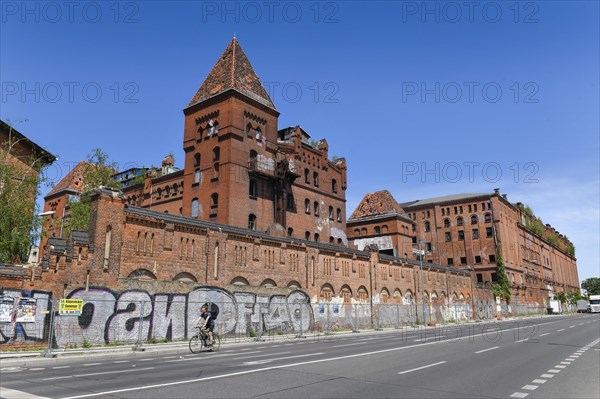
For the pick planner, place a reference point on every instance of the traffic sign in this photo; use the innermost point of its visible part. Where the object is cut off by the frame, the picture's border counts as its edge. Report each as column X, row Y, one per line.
column 70, row 307
column 418, row 251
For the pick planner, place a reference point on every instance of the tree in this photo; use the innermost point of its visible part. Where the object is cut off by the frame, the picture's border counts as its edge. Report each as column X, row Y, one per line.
column 19, row 182
column 591, row 285
column 98, row 172
column 560, row 296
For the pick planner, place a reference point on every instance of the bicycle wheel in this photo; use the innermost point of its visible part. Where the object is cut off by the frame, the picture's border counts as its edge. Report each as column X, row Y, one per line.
column 196, row 344
column 216, row 342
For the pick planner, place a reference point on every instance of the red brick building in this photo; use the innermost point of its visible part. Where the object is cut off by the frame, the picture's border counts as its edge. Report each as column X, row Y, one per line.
column 470, row 231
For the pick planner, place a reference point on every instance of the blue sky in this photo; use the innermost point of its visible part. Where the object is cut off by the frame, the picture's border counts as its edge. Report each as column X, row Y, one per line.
column 422, row 98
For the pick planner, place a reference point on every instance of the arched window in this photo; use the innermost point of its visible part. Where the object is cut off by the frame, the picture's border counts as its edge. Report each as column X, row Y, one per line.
column 216, row 154
column 216, row 262
column 377, row 230
column 334, row 186
column 357, row 232
column 331, row 240
column 306, row 176
column 330, row 213
column 159, row 193
column 248, row 129
column 252, row 188
column 258, row 134
column 195, row 208
column 488, row 218
column 214, row 201
column 197, row 159
column 307, row 206
column 175, row 188
column 339, row 215
column 316, row 208
column 290, row 232
column 316, row 237
column 316, row 179
column 474, row 219
column 197, row 176
column 446, row 222
column 307, row 235
column 459, row 221
column 252, row 222
column 427, row 226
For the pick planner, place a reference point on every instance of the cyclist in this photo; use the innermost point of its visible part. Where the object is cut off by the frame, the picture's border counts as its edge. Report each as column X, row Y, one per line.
column 208, row 324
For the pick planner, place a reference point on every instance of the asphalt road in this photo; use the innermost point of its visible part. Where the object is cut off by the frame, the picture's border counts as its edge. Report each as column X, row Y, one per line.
column 552, row 357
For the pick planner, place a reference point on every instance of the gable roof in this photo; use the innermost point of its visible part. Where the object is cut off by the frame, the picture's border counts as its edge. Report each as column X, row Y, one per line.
column 377, row 204
column 73, row 181
column 233, row 71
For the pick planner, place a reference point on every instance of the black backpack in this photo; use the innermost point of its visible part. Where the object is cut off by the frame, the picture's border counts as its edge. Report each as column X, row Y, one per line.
column 213, row 309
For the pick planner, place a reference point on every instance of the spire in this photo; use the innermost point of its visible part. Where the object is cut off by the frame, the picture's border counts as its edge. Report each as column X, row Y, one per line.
column 233, row 71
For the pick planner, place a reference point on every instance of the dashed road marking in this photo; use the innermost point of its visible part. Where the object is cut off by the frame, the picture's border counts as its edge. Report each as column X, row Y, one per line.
column 61, row 367
column 541, row 335
column 519, row 395
column 538, row 381
column 562, row 329
column 92, row 364
column 554, row 371
column 560, row 366
column 422, row 367
column 488, row 349
column 530, row 387
column 121, row 361
column 547, row 375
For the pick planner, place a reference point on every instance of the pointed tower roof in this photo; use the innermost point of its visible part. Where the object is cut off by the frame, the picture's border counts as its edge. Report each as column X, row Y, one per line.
column 233, row 71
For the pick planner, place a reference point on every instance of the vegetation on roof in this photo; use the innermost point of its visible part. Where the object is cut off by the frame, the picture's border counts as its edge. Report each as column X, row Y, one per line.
column 537, row 226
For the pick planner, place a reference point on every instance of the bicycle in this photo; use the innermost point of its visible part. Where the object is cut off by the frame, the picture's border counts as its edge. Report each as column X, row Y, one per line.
column 199, row 342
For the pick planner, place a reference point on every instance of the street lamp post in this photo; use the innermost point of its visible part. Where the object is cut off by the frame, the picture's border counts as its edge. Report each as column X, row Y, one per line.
column 421, row 253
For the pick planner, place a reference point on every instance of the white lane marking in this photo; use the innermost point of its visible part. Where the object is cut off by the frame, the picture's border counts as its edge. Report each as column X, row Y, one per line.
column 38, row 369
column 488, row 349
column 202, row 358
column 567, row 363
column 560, row 366
column 146, row 360
column 92, row 364
column 523, row 340
column 542, row 335
column 264, row 354
column 571, row 326
column 341, row 346
column 282, row 358
column 282, row 366
column 61, row 367
column 547, row 375
column 554, row 371
column 519, row 395
column 538, row 381
column 562, row 329
column 422, row 367
column 121, row 361
column 530, row 387
column 8, row 393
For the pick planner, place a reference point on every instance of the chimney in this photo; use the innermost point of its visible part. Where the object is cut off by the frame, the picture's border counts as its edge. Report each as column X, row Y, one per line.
column 496, row 191
column 505, row 196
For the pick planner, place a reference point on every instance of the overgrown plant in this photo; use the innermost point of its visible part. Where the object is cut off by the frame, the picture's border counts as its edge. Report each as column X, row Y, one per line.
column 98, row 172
column 502, row 287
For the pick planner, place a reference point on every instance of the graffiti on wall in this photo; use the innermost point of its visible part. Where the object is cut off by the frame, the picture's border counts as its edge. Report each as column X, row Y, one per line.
column 108, row 316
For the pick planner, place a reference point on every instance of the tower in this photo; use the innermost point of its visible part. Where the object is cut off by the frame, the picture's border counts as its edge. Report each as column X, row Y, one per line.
column 230, row 125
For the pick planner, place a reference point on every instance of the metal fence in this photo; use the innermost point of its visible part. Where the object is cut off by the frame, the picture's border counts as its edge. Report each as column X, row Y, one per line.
column 127, row 320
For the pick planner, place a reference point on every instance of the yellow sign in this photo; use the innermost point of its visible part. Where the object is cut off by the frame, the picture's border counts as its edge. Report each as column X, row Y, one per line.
column 70, row 307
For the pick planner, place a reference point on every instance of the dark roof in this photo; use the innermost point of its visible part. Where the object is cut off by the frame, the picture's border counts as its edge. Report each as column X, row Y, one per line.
column 57, row 245
column 233, row 71
column 46, row 156
column 237, row 230
column 444, row 199
column 80, row 237
column 12, row 270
